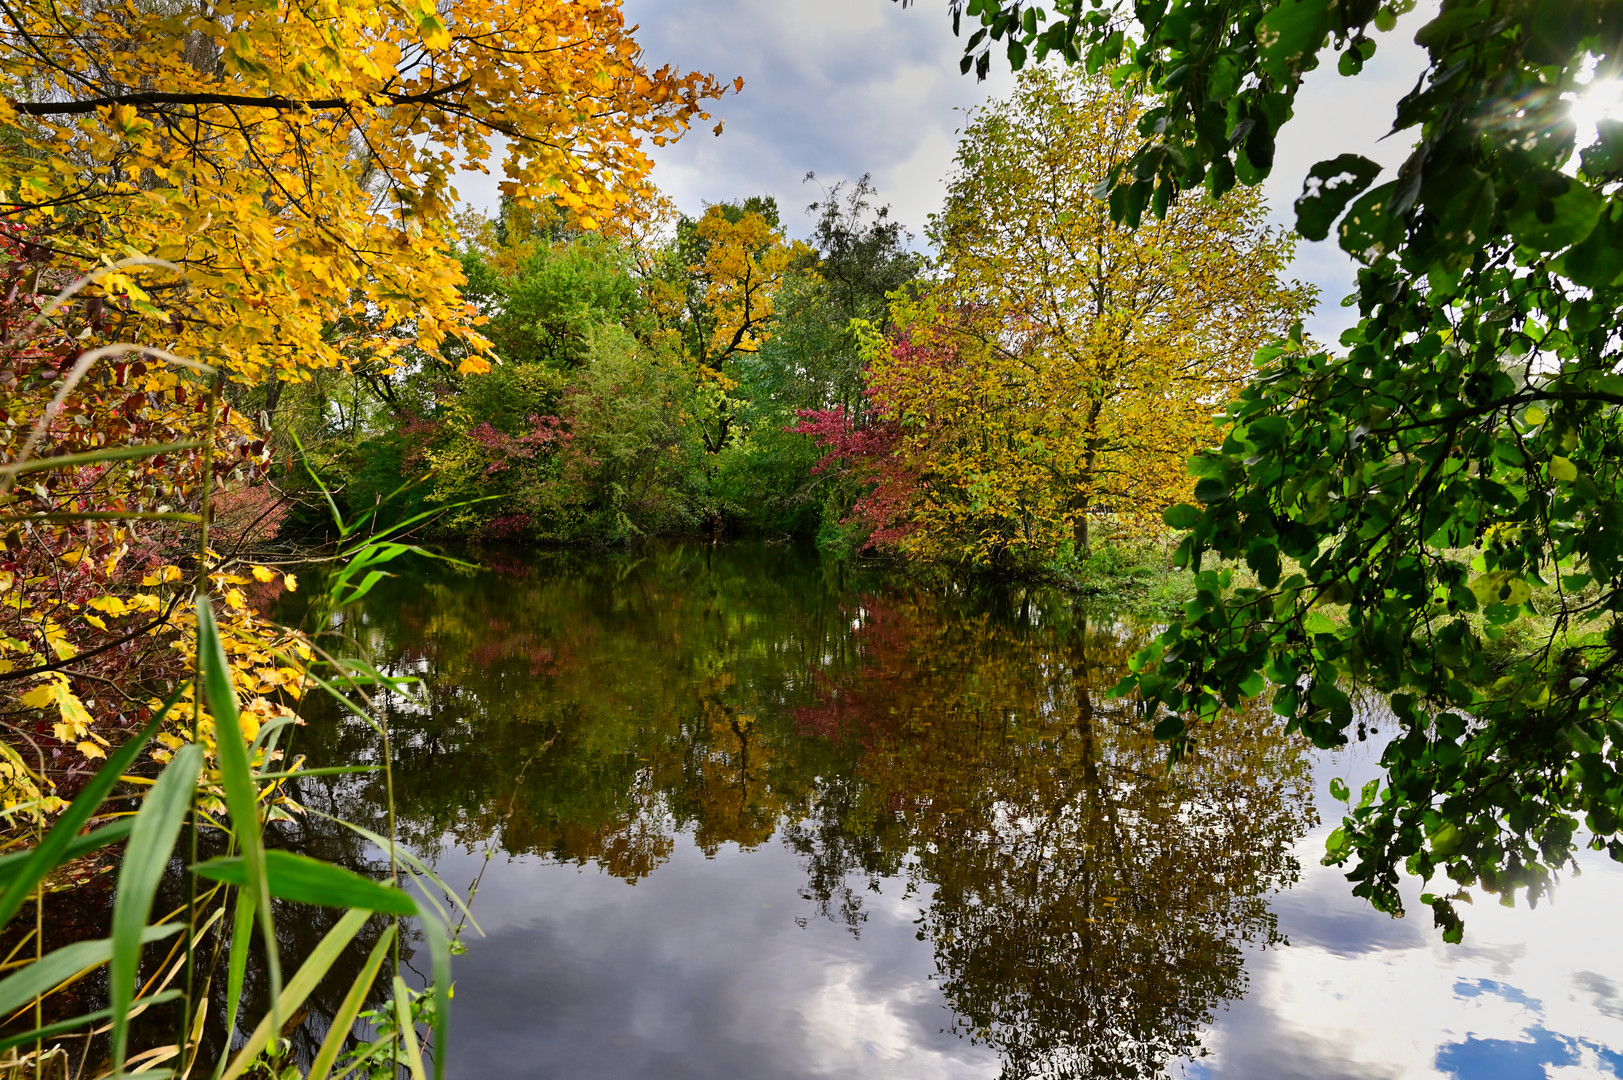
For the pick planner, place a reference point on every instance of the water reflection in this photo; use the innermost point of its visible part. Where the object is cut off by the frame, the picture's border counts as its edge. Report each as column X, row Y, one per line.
column 1087, row 910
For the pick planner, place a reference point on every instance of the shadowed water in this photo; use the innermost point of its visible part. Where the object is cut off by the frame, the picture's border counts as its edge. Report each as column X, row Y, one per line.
column 739, row 812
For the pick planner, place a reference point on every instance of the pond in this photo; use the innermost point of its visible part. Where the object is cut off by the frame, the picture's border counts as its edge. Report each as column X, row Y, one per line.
column 736, row 811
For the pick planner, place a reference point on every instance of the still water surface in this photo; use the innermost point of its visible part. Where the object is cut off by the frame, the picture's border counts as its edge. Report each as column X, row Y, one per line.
column 738, row 812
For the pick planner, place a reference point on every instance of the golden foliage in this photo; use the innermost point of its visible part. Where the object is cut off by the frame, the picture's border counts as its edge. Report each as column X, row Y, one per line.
column 745, row 262
column 1062, row 364
column 296, row 160
column 265, row 188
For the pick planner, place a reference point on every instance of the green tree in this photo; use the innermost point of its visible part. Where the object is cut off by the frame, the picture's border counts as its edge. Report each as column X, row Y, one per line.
column 1435, row 511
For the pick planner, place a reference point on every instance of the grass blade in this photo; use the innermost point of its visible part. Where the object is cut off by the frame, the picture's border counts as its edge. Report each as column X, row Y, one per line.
column 241, row 796
column 299, row 987
column 51, row 851
column 95, row 457
column 410, row 860
column 310, row 881
column 79, row 845
column 408, row 1030
column 152, row 838
column 337, row 518
column 23, row 985
column 81, row 1021
column 344, row 1019
column 242, row 929
column 439, row 949
column 325, row 770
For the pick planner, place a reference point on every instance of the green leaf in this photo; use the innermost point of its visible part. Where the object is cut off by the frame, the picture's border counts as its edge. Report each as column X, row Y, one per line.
column 292, row 876
column 1501, row 587
column 1552, row 212
column 241, row 796
column 23, row 985
column 1336, row 846
column 1446, row 840
column 1182, row 516
column 1339, row 789
column 157, row 826
column 1169, row 728
column 1369, row 230
column 1291, row 34
column 1317, row 622
column 405, row 855
column 1330, row 185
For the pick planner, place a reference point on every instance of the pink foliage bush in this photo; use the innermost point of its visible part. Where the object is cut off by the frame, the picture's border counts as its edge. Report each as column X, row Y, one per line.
column 866, row 450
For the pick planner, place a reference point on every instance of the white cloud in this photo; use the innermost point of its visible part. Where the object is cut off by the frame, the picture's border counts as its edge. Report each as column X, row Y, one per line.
column 843, row 87
column 839, row 87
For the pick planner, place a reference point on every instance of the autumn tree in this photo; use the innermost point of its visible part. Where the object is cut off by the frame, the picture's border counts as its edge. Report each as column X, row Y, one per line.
column 1450, row 474
column 733, row 262
column 1062, row 365
column 265, row 189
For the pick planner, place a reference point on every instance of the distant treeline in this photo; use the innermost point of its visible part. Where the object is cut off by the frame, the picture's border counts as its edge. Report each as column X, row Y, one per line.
column 716, row 375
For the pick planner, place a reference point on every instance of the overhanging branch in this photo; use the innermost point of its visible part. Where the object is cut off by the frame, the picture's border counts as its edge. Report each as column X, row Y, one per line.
column 152, row 100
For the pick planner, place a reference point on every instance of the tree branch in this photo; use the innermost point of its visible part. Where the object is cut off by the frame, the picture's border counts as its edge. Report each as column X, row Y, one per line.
column 153, row 99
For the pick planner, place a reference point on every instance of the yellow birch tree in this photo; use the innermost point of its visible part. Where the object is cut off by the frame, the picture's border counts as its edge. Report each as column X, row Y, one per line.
column 1060, row 365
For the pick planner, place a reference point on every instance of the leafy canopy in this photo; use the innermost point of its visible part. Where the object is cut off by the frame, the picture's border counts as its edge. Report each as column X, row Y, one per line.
column 1062, row 364
column 1436, row 511
column 294, row 161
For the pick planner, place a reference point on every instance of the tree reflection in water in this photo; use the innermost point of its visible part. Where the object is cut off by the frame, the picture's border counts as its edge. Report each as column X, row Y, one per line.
column 1088, row 907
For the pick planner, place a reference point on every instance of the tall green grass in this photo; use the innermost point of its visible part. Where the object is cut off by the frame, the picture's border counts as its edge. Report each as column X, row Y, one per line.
column 227, row 896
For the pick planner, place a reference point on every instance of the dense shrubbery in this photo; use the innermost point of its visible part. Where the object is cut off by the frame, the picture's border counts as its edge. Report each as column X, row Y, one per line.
column 646, row 385
column 713, row 375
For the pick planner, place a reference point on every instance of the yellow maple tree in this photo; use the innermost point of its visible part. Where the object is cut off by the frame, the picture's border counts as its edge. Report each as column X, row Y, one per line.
column 295, row 162
column 1060, row 365
column 244, row 191
column 745, row 261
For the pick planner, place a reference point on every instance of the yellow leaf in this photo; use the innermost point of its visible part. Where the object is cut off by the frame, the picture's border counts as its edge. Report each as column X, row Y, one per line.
column 7, row 579
column 264, row 574
column 72, row 557
column 473, row 365
column 39, row 697
column 96, row 622
column 291, row 582
column 91, row 750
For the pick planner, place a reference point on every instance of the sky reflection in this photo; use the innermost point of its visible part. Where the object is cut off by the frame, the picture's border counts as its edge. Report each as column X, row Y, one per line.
column 749, row 816
column 719, row 967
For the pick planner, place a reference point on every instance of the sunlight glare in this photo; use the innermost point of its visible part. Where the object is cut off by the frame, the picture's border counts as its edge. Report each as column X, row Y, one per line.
column 1601, row 100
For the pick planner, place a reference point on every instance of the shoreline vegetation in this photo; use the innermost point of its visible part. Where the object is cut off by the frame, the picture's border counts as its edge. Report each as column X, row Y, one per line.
column 715, row 375
column 244, row 310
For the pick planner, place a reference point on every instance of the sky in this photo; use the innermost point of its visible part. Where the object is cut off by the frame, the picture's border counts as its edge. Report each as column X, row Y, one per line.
column 844, row 87
column 847, row 87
